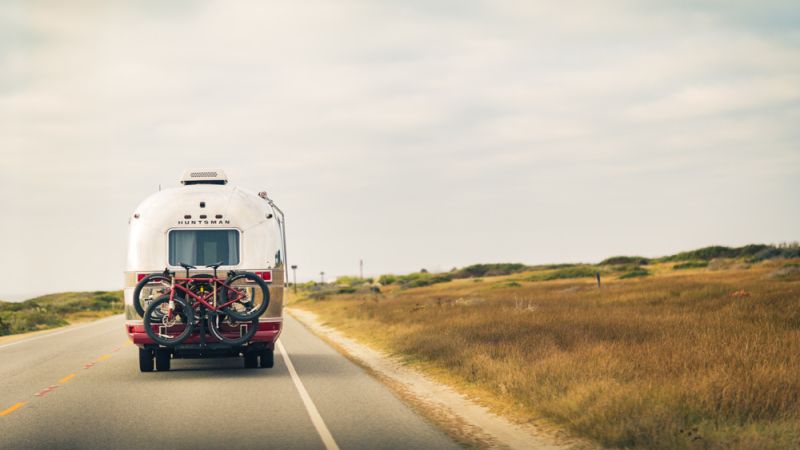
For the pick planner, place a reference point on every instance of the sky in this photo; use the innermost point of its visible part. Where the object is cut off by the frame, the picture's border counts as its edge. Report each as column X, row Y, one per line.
column 419, row 134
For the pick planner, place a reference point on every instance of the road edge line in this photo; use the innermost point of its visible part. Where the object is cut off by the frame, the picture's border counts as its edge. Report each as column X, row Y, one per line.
column 311, row 408
column 439, row 402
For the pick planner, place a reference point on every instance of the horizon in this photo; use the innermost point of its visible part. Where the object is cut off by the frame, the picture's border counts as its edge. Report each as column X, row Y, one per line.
column 408, row 135
column 28, row 296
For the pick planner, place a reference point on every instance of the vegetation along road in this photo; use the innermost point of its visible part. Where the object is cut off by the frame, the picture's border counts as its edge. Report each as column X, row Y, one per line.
column 695, row 350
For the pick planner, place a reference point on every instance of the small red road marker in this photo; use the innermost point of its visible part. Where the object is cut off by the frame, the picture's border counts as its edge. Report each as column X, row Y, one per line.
column 46, row 390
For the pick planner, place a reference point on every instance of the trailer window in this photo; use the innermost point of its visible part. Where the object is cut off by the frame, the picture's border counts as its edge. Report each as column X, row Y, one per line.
column 201, row 247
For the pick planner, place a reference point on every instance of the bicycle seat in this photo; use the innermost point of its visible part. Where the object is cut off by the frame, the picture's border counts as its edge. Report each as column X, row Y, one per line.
column 214, row 266
column 187, row 266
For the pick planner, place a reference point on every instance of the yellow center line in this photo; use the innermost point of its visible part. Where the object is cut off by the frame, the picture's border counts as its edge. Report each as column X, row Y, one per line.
column 66, row 378
column 104, row 357
column 11, row 409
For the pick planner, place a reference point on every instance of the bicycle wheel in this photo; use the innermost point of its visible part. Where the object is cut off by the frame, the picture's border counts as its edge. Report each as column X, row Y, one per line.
column 250, row 293
column 231, row 331
column 148, row 289
column 168, row 331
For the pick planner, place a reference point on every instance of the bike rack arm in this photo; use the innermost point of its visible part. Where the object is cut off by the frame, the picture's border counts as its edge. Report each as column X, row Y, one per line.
column 280, row 217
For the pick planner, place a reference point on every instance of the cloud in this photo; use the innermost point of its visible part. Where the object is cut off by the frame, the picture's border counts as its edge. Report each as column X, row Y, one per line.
column 408, row 134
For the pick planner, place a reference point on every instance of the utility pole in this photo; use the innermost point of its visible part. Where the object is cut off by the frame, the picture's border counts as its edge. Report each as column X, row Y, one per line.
column 322, row 277
column 361, row 269
column 294, row 275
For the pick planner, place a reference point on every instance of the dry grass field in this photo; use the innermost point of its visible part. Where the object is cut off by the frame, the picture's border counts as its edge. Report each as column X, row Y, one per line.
column 696, row 358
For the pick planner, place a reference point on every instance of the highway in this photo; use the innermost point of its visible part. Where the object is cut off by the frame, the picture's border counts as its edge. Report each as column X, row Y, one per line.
column 80, row 387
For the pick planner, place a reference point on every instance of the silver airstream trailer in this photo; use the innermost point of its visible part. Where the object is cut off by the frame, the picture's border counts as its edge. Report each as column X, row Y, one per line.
column 209, row 230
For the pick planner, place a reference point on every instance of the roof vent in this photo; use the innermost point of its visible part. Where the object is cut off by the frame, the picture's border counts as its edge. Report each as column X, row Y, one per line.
column 204, row 176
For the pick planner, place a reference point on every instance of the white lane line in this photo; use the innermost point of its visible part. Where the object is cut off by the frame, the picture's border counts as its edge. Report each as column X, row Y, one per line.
column 59, row 332
column 316, row 419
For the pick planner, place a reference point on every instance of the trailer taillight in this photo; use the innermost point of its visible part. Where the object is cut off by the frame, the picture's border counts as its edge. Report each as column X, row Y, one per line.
column 266, row 276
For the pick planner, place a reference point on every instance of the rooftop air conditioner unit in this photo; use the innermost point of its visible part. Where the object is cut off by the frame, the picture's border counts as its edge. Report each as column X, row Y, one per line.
column 203, row 176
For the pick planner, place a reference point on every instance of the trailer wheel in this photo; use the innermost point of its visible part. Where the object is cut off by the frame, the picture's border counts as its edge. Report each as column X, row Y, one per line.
column 267, row 359
column 162, row 360
column 145, row 360
column 250, row 360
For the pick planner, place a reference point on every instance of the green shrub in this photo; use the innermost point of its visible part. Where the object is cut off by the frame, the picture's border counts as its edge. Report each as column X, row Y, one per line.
column 488, row 270
column 416, row 279
column 352, row 281
column 425, row 279
column 718, row 251
column 783, row 251
column 635, row 274
column 616, row 260
column 582, row 271
column 52, row 310
column 690, row 265
column 387, row 279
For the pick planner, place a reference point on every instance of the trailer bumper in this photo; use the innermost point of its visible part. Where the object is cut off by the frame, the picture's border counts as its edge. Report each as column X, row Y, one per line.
column 268, row 332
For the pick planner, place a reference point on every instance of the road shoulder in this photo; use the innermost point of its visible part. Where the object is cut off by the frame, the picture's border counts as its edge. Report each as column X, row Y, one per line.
column 466, row 421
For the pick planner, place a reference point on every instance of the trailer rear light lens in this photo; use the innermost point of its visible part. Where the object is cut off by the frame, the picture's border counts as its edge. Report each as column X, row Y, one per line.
column 266, row 276
column 140, row 276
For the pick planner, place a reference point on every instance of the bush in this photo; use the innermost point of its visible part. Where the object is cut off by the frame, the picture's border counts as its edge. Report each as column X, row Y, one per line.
column 352, row 281
column 635, row 274
column 583, row 271
column 488, row 270
column 784, row 251
column 420, row 279
column 690, row 265
column 415, row 279
column 617, row 260
column 53, row 310
column 387, row 279
column 718, row 251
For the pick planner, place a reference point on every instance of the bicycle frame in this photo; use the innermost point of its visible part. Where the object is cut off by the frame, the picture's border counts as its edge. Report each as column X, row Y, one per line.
column 180, row 284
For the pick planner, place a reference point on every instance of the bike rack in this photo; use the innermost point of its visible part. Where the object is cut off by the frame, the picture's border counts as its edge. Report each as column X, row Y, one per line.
column 202, row 326
column 280, row 217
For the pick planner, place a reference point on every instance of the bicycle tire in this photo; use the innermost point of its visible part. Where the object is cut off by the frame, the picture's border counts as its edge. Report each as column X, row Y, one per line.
column 251, row 314
column 215, row 322
column 183, row 310
column 137, row 292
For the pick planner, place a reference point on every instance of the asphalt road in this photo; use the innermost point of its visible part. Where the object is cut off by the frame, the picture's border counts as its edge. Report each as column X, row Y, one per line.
column 80, row 387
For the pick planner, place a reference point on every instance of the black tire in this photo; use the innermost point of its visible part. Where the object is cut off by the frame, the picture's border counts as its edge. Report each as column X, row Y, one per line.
column 267, row 358
column 163, row 359
column 250, row 308
column 140, row 304
column 184, row 315
column 218, row 324
column 145, row 360
column 250, row 360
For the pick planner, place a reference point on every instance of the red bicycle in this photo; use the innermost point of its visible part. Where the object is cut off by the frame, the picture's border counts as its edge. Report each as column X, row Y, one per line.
column 231, row 306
